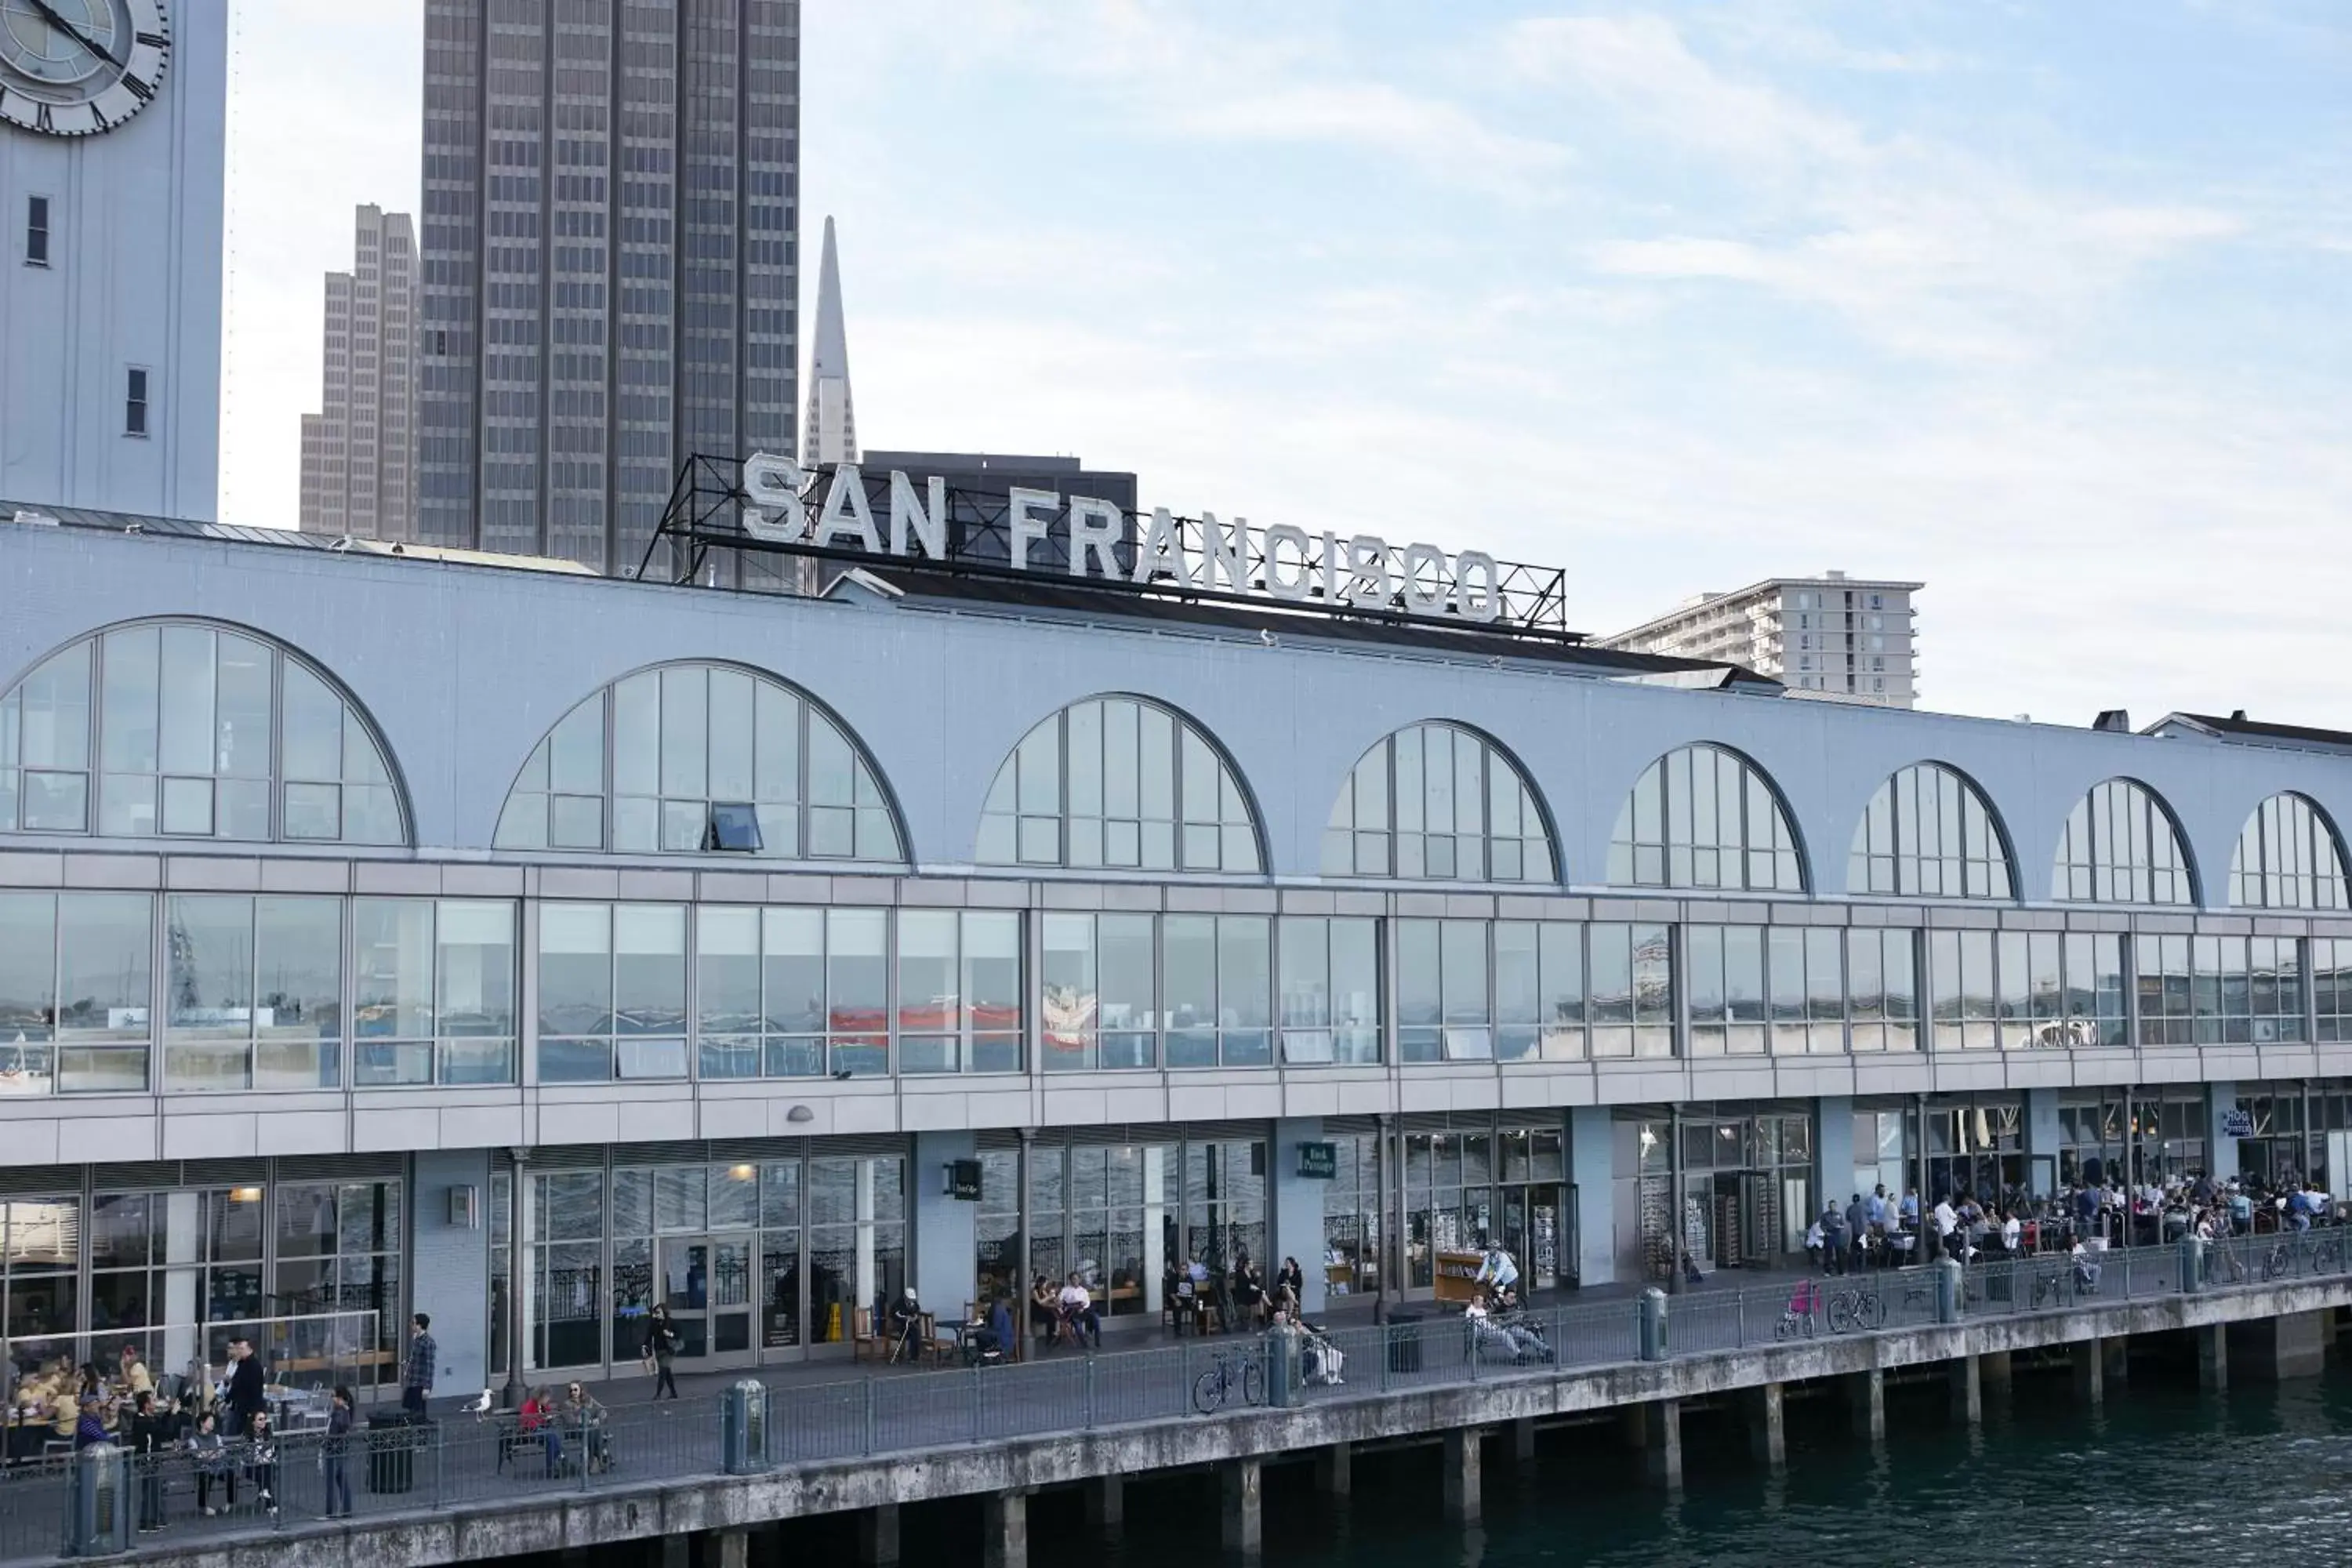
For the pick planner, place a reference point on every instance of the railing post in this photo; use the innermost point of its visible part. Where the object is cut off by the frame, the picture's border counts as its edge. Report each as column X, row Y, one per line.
column 975, row 1404
column 870, row 1417
column 1090, row 1393
column 434, row 1441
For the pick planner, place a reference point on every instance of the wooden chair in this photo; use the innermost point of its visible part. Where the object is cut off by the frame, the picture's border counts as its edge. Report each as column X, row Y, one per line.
column 865, row 1335
column 943, row 1347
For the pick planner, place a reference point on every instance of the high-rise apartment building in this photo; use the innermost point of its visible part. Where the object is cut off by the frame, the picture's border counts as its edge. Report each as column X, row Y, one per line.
column 611, row 213
column 832, row 417
column 359, row 451
column 1831, row 636
column 113, row 134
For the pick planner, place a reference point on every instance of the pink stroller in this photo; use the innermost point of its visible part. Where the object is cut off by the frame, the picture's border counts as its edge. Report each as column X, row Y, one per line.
column 1797, row 1318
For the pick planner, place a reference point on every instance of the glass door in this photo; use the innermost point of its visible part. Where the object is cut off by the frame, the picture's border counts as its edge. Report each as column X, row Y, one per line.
column 707, row 1283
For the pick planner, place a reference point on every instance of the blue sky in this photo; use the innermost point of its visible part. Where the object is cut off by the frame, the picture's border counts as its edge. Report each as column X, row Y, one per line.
column 2044, row 304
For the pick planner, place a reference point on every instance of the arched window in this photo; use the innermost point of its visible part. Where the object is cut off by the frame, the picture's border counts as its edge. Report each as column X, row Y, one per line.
column 1118, row 783
column 684, row 758
column 186, row 730
column 1704, row 816
column 1930, row 834
column 2121, row 847
column 2287, row 858
column 1440, row 802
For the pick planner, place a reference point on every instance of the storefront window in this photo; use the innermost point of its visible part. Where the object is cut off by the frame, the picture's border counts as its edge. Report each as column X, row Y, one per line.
column 566, row 1307
column 1353, row 1203
column 857, row 1239
column 41, row 1255
column 1224, row 1202
column 339, row 1249
column 996, row 1259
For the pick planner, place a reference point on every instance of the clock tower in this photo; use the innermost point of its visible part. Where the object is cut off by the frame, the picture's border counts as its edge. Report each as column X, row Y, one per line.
column 113, row 124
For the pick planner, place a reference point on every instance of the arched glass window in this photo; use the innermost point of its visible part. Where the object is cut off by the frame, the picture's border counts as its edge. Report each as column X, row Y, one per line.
column 685, row 758
column 1119, row 783
column 2287, row 858
column 2120, row 847
column 177, row 728
column 1704, row 816
column 1930, row 834
column 1440, row 802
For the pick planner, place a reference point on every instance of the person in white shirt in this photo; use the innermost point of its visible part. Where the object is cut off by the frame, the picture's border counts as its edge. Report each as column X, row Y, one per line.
column 1084, row 1324
column 1947, row 1221
column 1814, row 1242
column 2012, row 1234
column 2086, row 1273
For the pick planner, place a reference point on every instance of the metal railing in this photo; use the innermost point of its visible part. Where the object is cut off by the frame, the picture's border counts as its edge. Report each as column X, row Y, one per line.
column 386, row 1467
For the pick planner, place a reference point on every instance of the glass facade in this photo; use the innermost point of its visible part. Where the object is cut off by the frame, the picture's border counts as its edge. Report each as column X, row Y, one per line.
column 1441, row 803
column 651, row 764
column 181, row 730
column 751, row 1256
column 2120, row 845
column 1928, row 834
column 254, row 993
column 2287, row 858
column 1465, row 1189
column 1121, row 783
column 1511, row 989
column 1704, row 816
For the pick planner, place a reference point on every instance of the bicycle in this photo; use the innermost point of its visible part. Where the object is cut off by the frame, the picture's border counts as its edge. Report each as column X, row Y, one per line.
column 2279, row 1261
column 1230, row 1372
column 1858, row 1308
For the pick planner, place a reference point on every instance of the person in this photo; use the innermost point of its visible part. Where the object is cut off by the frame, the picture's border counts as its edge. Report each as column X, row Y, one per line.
column 1857, row 1233
column 1832, row 1239
column 907, row 1327
column 1249, row 1289
column 1293, row 1279
column 1948, row 1226
column 2012, row 1234
column 261, row 1461
column 1044, row 1310
column 1078, row 1314
column 417, row 1381
column 210, row 1451
column 334, row 1451
column 245, row 1387
column 1909, row 1208
column 1817, row 1242
column 997, row 1336
column 148, row 1427
column 536, row 1422
column 585, row 1416
column 134, row 1378
column 2086, row 1273
column 661, row 1343
column 1496, row 1271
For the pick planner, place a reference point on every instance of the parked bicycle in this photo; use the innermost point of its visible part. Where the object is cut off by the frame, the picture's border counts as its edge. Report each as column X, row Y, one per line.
column 1856, row 1309
column 1233, row 1372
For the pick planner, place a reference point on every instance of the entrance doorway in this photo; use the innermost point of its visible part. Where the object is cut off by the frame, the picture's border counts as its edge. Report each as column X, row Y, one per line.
column 706, row 1283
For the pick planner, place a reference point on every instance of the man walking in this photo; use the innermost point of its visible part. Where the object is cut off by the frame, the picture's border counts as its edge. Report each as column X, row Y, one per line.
column 417, row 1381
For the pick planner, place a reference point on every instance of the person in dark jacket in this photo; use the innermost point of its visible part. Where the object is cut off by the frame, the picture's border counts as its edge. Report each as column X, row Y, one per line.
column 211, row 1453
column 417, row 1376
column 661, row 1343
column 149, row 1431
column 333, row 1455
column 244, row 1385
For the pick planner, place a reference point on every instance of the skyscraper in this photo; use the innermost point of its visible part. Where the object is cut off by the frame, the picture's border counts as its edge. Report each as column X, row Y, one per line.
column 611, row 207
column 1833, row 636
column 113, row 131
column 359, row 451
column 832, row 417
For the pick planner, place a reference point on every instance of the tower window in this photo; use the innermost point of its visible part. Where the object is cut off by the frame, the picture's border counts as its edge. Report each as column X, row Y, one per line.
column 36, row 231
column 134, row 403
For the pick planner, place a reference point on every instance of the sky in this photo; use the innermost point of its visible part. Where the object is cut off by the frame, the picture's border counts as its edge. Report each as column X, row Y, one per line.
column 2046, row 305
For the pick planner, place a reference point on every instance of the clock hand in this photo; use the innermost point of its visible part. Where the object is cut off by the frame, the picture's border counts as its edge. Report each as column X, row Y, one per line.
column 50, row 14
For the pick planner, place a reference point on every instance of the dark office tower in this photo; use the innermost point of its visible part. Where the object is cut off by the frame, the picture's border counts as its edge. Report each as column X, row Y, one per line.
column 611, row 211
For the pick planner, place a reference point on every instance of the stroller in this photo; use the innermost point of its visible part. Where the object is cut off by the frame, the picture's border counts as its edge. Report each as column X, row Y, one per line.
column 1320, row 1359
column 1798, row 1317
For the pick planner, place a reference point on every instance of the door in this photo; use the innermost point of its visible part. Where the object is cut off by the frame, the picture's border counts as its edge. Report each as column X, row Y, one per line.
column 706, row 1282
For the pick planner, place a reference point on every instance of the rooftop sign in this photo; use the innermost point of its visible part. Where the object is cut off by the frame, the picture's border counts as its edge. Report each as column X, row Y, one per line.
column 768, row 502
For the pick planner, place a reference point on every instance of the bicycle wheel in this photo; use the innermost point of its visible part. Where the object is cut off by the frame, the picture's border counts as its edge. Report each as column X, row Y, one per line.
column 1209, row 1391
column 1841, row 1314
column 1252, row 1383
column 1869, row 1311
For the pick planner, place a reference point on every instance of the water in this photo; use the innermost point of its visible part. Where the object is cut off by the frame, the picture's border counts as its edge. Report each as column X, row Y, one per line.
column 2162, row 1475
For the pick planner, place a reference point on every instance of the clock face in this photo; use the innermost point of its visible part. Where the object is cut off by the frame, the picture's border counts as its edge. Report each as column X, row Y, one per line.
column 75, row 68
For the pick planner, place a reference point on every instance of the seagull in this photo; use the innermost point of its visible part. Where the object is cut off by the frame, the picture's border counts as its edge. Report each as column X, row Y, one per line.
column 1269, row 638
column 480, row 1407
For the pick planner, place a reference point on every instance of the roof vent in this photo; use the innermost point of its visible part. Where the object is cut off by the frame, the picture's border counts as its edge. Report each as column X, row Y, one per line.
column 28, row 517
column 2237, row 715
column 2113, row 720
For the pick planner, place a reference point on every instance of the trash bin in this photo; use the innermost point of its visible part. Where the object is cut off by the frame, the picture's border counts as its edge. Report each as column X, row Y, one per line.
column 392, row 1438
column 743, row 1428
column 1404, row 1341
column 97, row 1517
